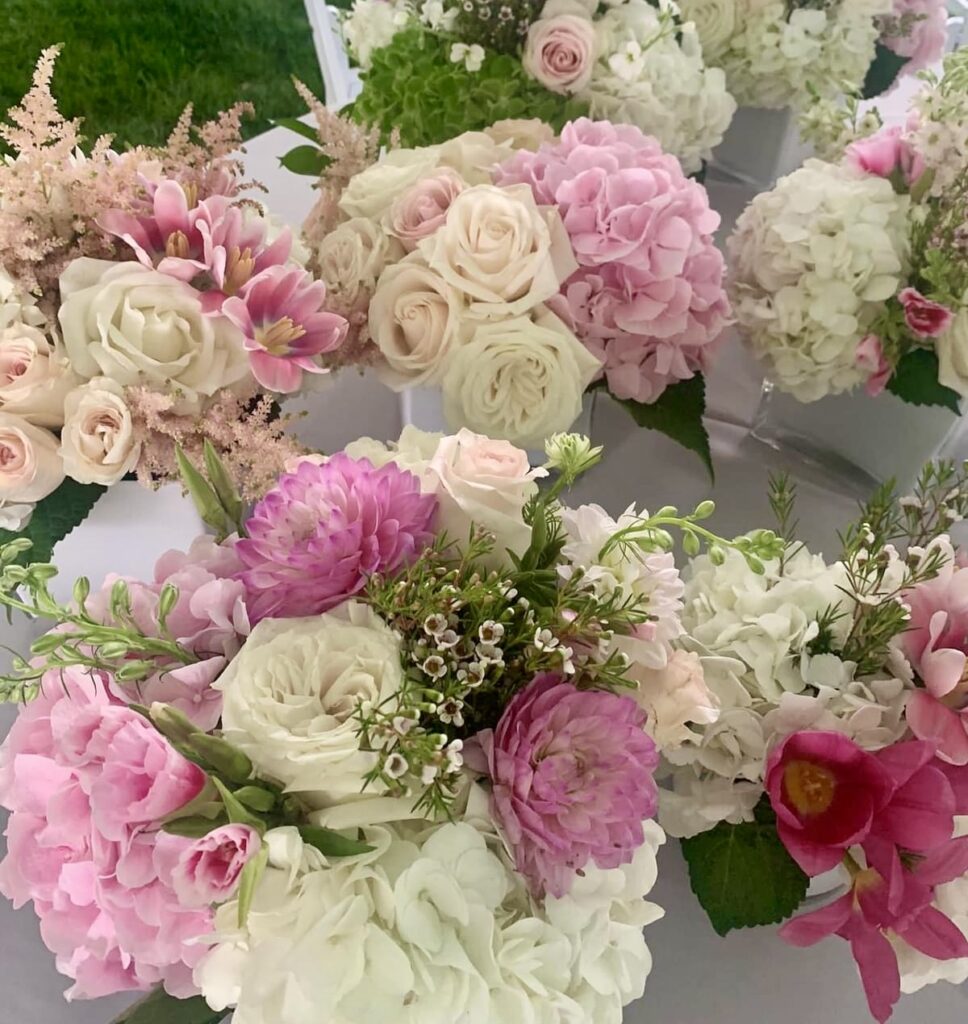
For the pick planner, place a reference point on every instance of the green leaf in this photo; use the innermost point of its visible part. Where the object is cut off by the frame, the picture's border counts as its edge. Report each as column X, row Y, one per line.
column 916, row 381
column 223, row 485
column 309, row 160
column 743, row 875
column 54, row 518
column 256, row 798
column 160, row 1008
column 225, row 759
column 330, row 843
column 678, row 414
column 193, row 827
column 307, row 131
column 248, row 881
column 203, row 495
column 238, row 815
column 883, row 71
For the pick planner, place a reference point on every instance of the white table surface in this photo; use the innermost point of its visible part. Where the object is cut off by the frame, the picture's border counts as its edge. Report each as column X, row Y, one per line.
column 750, row 977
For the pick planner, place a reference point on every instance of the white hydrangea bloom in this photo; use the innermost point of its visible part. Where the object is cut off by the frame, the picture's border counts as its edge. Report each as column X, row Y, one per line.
column 372, row 24
column 812, row 262
column 650, row 72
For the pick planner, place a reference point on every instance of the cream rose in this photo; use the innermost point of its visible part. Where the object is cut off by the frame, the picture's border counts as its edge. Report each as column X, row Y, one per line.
column 137, row 326
column 34, row 377
column 414, row 317
column 290, row 696
column 98, row 443
column 487, row 483
column 715, row 22
column 30, row 467
column 422, row 209
column 520, row 133
column 472, row 155
column 371, row 192
column 559, row 52
column 503, row 252
column 952, row 349
column 352, row 257
column 521, row 379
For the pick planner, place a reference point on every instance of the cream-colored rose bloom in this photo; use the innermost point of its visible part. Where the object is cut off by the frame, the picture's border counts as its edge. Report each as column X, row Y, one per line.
column 35, row 377
column 473, row 155
column 520, row 133
column 98, row 442
column 521, row 379
column 715, row 21
column 352, row 257
column 30, row 467
column 952, row 349
column 414, row 318
column 289, row 699
column 501, row 250
column 371, row 192
column 140, row 327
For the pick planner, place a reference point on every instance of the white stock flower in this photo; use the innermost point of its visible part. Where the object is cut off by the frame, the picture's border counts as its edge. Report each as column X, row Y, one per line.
column 813, row 262
column 952, row 349
column 98, row 442
column 30, row 466
column 471, row 56
column 290, row 695
column 371, row 192
column 371, row 25
column 352, row 257
column 140, row 327
column 35, row 377
column 674, row 697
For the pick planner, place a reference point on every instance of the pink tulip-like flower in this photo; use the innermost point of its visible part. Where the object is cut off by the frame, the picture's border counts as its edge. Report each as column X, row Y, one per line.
column 870, row 358
column 280, row 314
column 926, row 318
column 572, row 777
column 559, row 52
column 317, row 536
column 884, row 153
column 826, row 792
column 208, row 870
column 648, row 299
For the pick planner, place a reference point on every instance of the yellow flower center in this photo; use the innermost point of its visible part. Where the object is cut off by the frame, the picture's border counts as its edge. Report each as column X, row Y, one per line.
column 191, row 194
column 177, row 245
column 810, row 787
column 276, row 338
column 238, row 269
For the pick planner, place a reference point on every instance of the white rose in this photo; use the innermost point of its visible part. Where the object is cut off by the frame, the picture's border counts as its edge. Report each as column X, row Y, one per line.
column 518, row 133
column 34, row 377
column 501, row 250
column 140, row 327
column 715, row 21
column 371, row 192
column 487, row 483
column 673, row 697
column 414, row 318
column 98, row 443
column 413, row 452
column 30, row 467
column 290, row 697
column 952, row 349
column 473, row 155
column 352, row 257
column 521, row 379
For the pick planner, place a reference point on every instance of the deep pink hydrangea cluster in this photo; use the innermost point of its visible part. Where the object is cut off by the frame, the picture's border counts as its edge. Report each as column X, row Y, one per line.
column 572, row 780
column 315, row 538
column 87, row 781
column 648, row 298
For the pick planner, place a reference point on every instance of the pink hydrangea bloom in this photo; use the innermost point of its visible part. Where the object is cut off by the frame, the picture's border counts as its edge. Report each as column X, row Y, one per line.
column 315, row 538
column 280, row 314
column 648, row 299
column 86, row 781
column 572, row 777
column 918, row 30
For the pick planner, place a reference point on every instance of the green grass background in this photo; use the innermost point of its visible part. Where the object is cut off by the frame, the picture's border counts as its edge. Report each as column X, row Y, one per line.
column 130, row 66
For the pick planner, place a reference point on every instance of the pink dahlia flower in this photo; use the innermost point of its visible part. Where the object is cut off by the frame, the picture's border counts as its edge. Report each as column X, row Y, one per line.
column 648, row 299
column 918, row 30
column 280, row 314
column 572, row 777
column 87, row 782
column 315, row 538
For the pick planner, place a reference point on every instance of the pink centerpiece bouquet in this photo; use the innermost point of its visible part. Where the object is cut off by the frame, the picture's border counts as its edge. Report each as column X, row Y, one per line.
column 145, row 302
column 386, row 751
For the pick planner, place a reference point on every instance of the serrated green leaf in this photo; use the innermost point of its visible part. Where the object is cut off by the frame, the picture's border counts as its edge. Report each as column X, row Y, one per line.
column 883, row 71
column 330, row 843
column 248, row 881
column 160, row 1008
column 54, row 518
column 916, row 381
column 743, row 875
column 307, row 131
column 678, row 414
column 308, row 160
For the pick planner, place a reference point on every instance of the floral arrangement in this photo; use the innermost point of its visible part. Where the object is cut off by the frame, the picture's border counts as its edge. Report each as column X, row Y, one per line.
column 387, row 749
column 514, row 270
column 853, row 272
column 840, row 741
column 144, row 304
column 441, row 67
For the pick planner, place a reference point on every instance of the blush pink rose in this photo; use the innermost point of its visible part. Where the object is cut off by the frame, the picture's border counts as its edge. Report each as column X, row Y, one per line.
column 884, row 153
column 559, row 52
column 926, row 318
column 422, row 209
column 208, row 870
column 870, row 358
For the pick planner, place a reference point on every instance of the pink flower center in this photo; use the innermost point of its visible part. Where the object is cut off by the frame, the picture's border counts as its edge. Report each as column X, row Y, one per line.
column 8, row 456
column 809, row 787
column 276, row 338
column 14, row 370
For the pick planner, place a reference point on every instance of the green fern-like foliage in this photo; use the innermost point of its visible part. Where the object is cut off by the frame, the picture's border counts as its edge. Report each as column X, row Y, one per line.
column 413, row 86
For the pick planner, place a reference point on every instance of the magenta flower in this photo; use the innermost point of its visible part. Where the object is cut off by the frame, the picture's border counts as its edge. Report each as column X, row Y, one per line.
column 925, row 317
column 280, row 314
column 315, row 538
column 572, row 780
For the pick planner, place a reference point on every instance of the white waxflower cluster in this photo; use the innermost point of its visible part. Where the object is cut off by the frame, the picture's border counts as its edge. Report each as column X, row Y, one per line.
column 774, row 55
column 812, row 263
column 430, row 927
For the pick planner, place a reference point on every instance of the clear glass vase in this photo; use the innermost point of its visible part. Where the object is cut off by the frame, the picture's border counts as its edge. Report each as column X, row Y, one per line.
column 856, row 441
column 760, row 146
